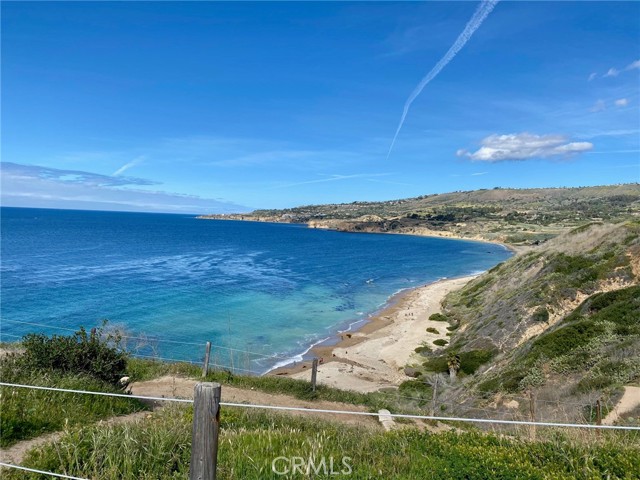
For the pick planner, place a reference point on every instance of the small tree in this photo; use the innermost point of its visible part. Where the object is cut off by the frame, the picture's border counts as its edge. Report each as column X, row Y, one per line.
column 453, row 362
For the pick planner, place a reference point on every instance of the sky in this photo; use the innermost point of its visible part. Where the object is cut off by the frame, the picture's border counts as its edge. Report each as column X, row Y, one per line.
column 221, row 107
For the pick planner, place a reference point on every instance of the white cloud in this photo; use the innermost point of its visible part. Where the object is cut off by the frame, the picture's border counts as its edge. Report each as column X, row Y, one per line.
column 127, row 166
column 622, row 102
column 45, row 187
column 599, row 106
column 524, row 146
column 633, row 65
column 592, row 76
column 612, row 73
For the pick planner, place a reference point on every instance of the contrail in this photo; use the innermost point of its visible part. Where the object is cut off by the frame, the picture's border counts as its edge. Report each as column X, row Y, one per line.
column 483, row 10
column 127, row 166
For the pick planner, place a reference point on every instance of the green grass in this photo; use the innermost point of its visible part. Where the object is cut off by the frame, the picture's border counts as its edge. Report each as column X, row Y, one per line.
column 28, row 413
column 159, row 448
column 140, row 370
column 82, row 361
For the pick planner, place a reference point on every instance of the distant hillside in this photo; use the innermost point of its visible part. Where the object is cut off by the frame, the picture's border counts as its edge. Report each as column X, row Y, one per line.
column 514, row 216
column 562, row 320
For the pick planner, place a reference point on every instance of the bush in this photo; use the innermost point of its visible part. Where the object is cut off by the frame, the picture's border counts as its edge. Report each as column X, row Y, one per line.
column 423, row 349
column 437, row 364
column 438, row 317
column 433, row 330
column 472, row 360
column 598, row 382
column 540, row 315
column 566, row 339
column 440, row 342
column 94, row 354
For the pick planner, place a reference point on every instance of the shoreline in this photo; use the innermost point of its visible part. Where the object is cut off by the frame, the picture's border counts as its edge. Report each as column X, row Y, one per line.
column 515, row 249
column 374, row 355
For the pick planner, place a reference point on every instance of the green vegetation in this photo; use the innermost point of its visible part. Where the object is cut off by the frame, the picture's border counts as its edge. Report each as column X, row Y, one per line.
column 50, row 362
column 433, row 330
column 529, row 216
column 470, row 361
column 94, row 354
column 139, row 369
column 540, row 315
column 159, row 448
column 438, row 317
column 599, row 340
column 498, row 305
column 440, row 342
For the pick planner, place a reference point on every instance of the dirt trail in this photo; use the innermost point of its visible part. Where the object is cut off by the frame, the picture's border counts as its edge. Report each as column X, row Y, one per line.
column 179, row 387
column 629, row 401
column 16, row 453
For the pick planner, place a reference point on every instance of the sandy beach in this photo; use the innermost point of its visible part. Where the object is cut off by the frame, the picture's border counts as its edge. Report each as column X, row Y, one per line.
column 374, row 356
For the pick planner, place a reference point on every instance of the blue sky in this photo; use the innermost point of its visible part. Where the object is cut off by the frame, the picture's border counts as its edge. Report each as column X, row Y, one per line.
column 218, row 107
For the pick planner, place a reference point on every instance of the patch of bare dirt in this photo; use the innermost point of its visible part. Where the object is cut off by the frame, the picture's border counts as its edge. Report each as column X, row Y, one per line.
column 629, row 401
column 178, row 387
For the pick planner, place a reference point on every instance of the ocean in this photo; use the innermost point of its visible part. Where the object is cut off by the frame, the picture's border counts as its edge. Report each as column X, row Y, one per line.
column 261, row 293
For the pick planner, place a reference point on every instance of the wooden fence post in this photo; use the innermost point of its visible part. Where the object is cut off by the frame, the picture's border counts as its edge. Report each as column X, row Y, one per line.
column 204, row 437
column 205, row 367
column 314, row 374
column 598, row 416
column 532, row 413
column 434, row 397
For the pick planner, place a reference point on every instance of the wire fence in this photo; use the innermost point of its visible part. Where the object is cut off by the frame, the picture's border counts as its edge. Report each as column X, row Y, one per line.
column 344, row 412
column 304, row 410
column 233, row 362
column 42, row 472
column 147, row 347
column 511, row 407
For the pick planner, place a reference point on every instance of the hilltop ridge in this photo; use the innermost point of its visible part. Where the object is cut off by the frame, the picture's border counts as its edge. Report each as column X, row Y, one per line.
column 513, row 216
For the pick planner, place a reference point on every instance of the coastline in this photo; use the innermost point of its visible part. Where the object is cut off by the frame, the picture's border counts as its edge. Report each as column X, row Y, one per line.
column 418, row 232
column 374, row 355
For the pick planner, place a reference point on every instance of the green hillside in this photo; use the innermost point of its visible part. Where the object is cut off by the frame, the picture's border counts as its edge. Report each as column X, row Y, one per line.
column 501, row 214
column 562, row 321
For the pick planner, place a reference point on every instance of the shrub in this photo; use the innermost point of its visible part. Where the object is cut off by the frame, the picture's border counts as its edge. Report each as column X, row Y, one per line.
column 597, row 382
column 94, row 354
column 440, row 342
column 433, row 330
column 423, row 349
column 472, row 360
column 566, row 339
column 438, row 317
column 540, row 315
column 437, row 364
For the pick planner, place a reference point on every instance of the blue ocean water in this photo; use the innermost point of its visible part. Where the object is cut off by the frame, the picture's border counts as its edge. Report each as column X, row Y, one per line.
column 175, row 282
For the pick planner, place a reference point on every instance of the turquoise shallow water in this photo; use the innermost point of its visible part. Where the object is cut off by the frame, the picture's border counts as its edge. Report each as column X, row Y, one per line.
column 176, row 281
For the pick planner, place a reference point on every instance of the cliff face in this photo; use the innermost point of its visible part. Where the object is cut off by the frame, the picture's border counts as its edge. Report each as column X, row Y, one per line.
column 562, row 320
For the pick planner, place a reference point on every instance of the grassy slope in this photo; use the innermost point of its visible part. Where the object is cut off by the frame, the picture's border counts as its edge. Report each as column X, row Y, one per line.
column 542, row 320
column 28, row 413
column 159, row 448
column 508, row 215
